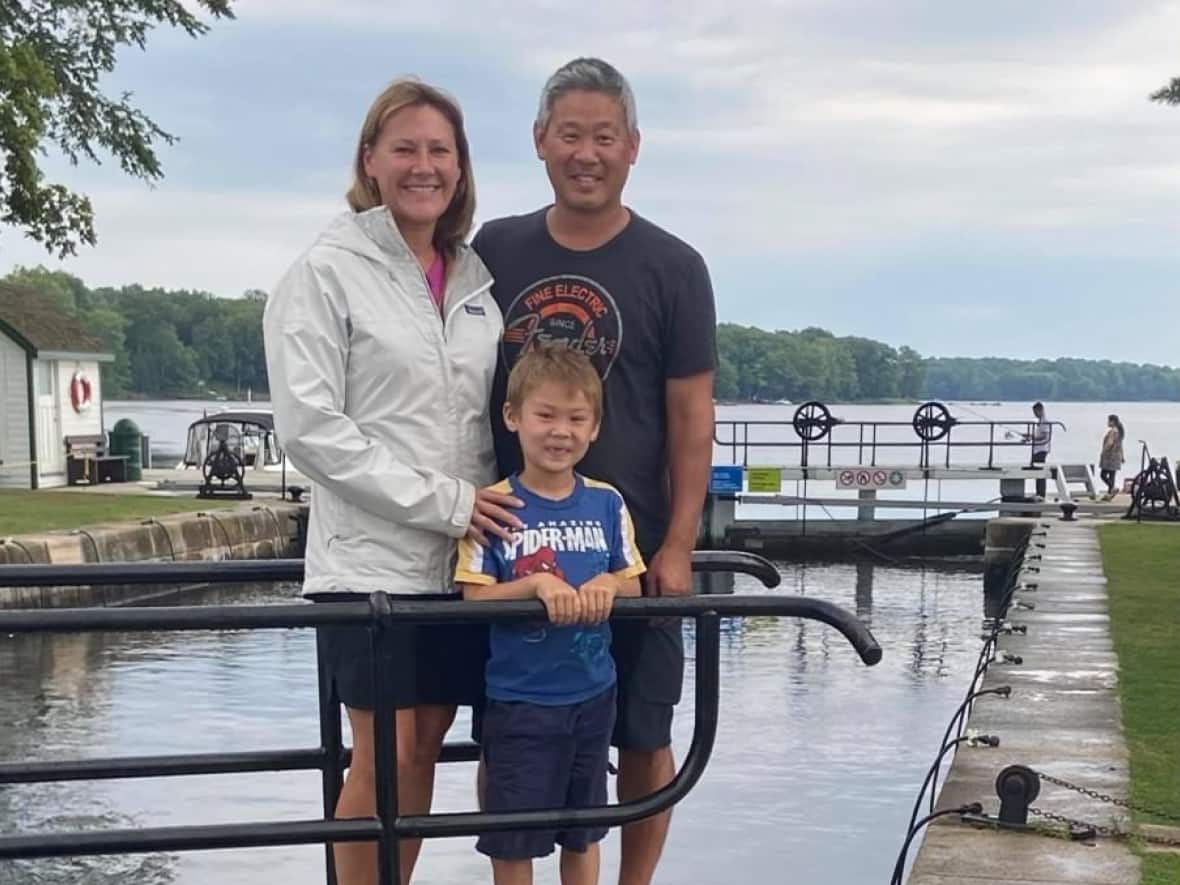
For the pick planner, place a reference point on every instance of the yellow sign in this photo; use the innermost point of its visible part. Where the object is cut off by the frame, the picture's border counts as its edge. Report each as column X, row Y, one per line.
column 764, row 479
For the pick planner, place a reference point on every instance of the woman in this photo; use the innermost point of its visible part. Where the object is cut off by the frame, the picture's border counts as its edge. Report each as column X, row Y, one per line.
column 1111, row 458
column 381, row 346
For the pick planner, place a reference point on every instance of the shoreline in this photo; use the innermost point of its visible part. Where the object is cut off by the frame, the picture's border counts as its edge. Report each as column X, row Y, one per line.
column 273, row 530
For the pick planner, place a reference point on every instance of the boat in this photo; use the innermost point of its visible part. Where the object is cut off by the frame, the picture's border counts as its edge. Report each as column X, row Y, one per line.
column 250, row 433
column 235, row 452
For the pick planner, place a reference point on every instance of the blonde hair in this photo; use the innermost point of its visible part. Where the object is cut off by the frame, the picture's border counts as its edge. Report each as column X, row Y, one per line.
column 558, row 363
column 455, row 223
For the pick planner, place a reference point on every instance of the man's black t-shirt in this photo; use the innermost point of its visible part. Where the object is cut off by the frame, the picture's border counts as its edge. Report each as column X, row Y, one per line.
column 641, row 307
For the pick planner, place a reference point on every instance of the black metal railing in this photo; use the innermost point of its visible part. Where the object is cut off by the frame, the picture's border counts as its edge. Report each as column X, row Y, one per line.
column 386, row 617
column 930, row 438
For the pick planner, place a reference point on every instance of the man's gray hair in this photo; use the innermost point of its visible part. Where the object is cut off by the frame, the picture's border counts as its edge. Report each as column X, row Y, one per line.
column 587, row 75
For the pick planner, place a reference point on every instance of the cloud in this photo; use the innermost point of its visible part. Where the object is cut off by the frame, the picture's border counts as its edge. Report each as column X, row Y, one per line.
column 859, row 140
column 217, row 241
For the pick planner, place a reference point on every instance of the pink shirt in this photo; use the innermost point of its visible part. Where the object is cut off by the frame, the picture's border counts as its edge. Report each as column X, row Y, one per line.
column 436, row 279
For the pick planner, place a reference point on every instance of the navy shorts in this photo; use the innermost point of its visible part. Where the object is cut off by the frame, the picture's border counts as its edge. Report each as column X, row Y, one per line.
column 440, row 664
column 649, row 658
column 545, row 757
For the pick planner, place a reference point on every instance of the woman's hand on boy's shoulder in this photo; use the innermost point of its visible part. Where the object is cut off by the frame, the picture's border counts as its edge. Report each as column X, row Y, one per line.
column 492, row 514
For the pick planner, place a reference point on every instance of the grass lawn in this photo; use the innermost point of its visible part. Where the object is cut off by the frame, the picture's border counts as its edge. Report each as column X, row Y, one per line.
column 1142, row 565
column 1160, row 869
column 25, row 512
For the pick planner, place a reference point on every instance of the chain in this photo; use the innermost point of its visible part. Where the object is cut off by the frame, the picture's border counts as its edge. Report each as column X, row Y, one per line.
column 1112, row 832
column 1102, row 797
column 1074, row 823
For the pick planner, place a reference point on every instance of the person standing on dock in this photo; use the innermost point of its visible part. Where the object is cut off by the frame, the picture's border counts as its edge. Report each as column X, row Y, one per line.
column 1041, row 437
column 381, row 348
column 591, row 272
column 1110, row 461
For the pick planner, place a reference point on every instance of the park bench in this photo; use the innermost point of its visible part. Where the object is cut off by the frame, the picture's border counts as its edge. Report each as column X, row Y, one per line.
column 88, row 462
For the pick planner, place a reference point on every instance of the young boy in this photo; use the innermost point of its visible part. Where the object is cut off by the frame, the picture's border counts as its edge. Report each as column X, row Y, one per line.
column 551, row 684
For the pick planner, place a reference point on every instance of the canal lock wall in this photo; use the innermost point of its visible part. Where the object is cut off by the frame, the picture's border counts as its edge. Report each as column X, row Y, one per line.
column 258, row 531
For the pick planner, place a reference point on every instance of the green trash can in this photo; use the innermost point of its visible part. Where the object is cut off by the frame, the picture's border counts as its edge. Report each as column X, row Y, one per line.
column 125, row 440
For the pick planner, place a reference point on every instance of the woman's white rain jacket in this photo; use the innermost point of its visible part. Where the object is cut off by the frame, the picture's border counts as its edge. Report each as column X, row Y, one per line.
column 383, row 404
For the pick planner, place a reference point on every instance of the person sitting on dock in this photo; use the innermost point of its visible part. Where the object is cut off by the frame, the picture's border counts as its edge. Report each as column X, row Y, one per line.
column 551, row 685
column 1041, row 437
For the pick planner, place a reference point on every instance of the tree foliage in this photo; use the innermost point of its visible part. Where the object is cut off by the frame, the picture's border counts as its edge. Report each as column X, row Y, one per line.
column 166, row 343
column 174, row 343
column 1170, row 94
column 814, row 364
column 53, row 55
column 1059, row 379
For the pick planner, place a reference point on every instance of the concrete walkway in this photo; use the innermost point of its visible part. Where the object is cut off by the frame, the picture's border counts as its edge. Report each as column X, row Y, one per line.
column 1063, row 719
column 184, row 483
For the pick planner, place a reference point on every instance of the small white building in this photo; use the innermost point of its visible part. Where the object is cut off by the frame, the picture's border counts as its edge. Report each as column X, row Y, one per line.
column 50, row 388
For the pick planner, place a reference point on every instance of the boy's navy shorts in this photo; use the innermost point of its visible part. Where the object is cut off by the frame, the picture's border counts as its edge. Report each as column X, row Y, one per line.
column 545, row 757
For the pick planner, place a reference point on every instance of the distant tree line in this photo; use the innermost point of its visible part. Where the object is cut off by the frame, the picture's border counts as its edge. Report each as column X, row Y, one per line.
column 1060, row 379
column 812, row 364
column 815, row 364
column 178, row 343
column 166, row 343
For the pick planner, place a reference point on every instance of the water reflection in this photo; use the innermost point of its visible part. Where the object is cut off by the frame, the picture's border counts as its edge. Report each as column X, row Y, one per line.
column 864, row 591
column 814, row 750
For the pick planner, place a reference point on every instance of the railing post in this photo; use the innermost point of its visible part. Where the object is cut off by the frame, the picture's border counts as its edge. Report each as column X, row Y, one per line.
column 331, row 745
column 708, row 692
column 384, row 634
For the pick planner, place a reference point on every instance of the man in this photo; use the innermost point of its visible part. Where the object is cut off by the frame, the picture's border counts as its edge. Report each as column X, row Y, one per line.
column 589, row 271
column 1041, row 438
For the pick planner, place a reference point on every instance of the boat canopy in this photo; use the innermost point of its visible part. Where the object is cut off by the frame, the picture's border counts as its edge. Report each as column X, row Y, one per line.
column 250, row 433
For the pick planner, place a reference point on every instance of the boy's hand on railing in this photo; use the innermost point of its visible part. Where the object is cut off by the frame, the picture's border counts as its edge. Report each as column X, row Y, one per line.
column 598, row 596
column 562, row 602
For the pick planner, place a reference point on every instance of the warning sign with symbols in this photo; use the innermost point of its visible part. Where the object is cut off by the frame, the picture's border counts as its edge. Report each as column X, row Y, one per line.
column 870, row 478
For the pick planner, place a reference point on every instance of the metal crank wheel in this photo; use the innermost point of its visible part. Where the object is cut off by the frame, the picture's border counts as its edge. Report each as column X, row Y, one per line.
column 932, row 421
column 224, row 466
column 812, row 421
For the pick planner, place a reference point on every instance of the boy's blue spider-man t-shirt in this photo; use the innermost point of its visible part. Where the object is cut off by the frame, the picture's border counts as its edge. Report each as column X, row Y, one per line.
column 587, row 533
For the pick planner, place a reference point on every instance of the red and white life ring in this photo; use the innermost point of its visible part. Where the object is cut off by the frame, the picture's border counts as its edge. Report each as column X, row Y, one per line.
column 80, row 392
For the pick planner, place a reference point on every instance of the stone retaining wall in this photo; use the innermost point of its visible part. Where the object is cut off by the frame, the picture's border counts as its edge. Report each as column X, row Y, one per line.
column 253, row 531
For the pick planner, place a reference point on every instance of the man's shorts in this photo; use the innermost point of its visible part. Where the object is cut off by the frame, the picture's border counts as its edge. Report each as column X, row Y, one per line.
column 545, row 757
column 439, row 664
column 649, row 659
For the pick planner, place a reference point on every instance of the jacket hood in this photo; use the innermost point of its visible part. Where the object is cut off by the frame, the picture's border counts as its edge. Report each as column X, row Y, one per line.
column 371, row 234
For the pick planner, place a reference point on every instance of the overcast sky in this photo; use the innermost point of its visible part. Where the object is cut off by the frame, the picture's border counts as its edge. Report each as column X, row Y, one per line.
column 965, row 178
